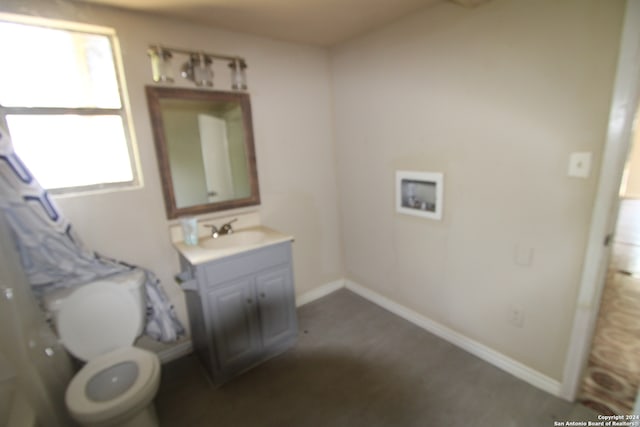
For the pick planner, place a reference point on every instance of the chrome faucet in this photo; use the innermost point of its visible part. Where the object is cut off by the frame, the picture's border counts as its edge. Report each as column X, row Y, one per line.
column 214, row 230
column 224, row 229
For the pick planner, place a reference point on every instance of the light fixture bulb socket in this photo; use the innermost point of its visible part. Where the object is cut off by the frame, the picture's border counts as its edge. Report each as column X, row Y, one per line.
column 161, row 64
column 238, row 74
column 198, row 69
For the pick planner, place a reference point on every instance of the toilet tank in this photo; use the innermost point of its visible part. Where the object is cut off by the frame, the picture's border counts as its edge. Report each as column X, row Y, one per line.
column 133, row 281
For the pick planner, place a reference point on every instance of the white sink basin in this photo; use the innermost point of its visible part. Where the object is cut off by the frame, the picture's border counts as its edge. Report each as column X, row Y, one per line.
column 238, row 239
column 209, row 249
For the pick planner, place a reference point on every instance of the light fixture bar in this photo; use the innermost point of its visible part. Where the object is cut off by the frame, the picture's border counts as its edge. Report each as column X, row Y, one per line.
column 197, row 68
column 196, row 52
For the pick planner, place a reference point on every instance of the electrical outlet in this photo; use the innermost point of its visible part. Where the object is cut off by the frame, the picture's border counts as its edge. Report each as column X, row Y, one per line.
column 516, row 316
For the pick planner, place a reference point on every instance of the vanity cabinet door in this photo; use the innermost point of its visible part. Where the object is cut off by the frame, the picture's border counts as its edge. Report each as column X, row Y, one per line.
column 242, row 309
column 232, row 308
column 276, row 307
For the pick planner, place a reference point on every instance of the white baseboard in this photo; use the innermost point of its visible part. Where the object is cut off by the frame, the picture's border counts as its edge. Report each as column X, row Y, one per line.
column 319, row 292
column 485, row 353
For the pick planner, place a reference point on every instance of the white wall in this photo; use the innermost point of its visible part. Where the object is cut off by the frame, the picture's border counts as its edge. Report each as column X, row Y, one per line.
column 631, row 180
column 496, row 98
column 291, row 103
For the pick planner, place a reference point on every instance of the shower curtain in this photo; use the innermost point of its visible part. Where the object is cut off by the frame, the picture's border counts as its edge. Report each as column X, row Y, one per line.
column 52, row 254
column 34, row 368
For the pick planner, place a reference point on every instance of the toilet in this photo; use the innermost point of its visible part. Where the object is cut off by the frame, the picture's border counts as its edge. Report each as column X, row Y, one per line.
column 98, row 324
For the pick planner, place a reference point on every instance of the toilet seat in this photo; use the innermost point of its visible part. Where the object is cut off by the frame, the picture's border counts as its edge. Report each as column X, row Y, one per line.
column 140, row 393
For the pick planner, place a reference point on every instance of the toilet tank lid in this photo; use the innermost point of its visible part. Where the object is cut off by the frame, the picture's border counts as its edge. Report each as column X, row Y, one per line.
column 98, row 318
column 52, row 300
column 135, row 277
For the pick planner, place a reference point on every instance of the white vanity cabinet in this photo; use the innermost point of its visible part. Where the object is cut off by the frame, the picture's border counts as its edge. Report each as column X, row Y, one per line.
column 241, row 308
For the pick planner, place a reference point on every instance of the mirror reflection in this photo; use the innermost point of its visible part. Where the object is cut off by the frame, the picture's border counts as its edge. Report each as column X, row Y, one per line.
column 205, row 149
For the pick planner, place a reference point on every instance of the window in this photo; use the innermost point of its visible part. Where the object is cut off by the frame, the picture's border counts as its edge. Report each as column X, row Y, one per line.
column 62, row 100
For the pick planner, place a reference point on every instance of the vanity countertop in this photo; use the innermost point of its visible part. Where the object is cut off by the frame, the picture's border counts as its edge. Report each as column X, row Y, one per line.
column 242, row 240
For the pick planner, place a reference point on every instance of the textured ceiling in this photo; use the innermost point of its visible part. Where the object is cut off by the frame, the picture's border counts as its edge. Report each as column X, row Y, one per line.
column 316, row 22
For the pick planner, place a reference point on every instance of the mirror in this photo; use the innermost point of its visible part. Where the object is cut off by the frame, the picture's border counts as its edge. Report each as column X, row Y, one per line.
column 204, row 144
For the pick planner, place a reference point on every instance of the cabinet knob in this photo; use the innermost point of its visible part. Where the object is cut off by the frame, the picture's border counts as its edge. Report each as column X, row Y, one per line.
column 249, row 301
column 262, row 295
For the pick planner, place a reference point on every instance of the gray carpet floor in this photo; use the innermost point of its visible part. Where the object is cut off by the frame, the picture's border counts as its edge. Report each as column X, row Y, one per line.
column 356, row 364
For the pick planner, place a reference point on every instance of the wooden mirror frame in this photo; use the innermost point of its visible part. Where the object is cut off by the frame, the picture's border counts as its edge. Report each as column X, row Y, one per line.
column 154, row 95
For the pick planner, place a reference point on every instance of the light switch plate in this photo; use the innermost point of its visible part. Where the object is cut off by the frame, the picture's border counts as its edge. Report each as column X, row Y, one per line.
column 579, row 164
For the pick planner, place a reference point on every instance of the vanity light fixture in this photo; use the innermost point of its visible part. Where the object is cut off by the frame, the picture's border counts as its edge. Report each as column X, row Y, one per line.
column 161, row 64
column 238, row 74
column 198, row 67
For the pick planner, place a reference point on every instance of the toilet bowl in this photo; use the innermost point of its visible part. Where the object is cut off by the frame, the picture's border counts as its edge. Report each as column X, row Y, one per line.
column 115, row 389
column 98, row 323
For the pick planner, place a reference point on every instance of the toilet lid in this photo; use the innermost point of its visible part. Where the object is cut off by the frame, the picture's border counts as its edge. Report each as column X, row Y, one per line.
column 98, row 318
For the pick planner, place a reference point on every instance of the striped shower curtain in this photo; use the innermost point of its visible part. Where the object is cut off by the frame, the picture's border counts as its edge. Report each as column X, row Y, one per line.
column 52, row 254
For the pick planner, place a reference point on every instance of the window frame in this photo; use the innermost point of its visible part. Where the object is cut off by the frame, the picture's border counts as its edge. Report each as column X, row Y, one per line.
column 124, row 112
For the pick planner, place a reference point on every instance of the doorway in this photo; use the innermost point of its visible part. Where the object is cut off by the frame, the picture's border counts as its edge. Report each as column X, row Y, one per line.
column 612, row 377
column 625, row 99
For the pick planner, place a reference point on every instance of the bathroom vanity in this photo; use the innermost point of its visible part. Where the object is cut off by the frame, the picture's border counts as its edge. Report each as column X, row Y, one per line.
column 240, row 298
